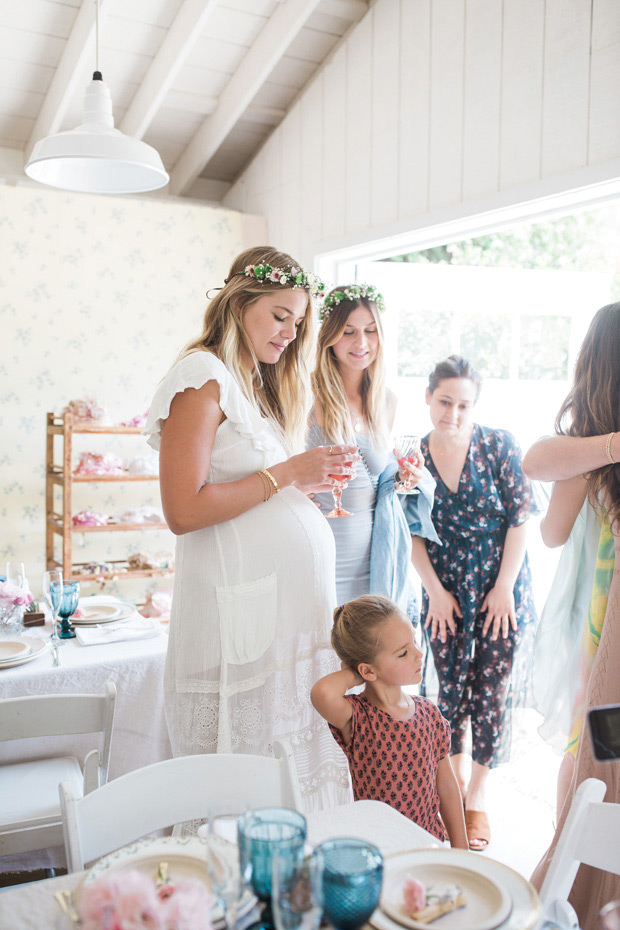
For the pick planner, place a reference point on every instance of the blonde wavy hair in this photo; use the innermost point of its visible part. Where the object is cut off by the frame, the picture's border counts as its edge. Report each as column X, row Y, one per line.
column 356, row 633
column 327, row 381
column 281, row 392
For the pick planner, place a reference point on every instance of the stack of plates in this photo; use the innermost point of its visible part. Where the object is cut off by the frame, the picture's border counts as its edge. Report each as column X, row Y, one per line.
column 95, row 611
column 21, row 650
column 497, row 897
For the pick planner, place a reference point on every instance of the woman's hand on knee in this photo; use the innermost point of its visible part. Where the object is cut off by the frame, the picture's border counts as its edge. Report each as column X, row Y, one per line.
column 499, row 605
column 442, row 608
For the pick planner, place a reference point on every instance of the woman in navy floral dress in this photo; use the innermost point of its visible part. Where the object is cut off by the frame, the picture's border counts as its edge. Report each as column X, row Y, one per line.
column 478, row 608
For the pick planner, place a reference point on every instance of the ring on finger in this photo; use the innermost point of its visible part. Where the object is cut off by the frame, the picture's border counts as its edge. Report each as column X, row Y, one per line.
column 330, row 450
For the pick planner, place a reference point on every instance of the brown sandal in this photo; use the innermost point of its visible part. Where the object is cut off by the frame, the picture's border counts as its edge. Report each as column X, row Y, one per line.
column 477, row 826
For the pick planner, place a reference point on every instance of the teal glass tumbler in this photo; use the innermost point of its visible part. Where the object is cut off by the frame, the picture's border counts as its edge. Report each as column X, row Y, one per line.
column 261, row 834
column 352, row 880
column 68, row 606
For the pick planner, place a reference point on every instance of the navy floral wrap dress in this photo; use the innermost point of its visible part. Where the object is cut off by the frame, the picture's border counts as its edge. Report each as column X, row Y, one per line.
column 481, row 680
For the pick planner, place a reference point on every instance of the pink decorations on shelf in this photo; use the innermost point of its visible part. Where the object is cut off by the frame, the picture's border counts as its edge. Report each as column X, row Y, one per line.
column 96, row 463
column 137, row 421
column 87, row 410
column 144, row 514
column 90, row 518
column 130, row 901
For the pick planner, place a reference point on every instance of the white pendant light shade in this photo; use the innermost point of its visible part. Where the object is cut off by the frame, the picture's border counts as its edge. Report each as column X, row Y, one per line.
column 97, row 158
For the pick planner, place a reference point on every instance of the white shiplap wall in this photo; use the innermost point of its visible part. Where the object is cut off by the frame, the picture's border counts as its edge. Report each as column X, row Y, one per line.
column 428, row 105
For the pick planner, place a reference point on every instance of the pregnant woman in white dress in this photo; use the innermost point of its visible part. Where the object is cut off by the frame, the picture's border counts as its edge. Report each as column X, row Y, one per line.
column 254, row 589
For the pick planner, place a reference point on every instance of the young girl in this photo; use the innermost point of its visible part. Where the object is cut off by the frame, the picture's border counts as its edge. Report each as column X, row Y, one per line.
column 397, row 746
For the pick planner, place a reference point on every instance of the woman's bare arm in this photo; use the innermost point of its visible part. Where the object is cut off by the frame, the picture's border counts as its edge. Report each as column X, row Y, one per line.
column 566, row 501
column 557, row 457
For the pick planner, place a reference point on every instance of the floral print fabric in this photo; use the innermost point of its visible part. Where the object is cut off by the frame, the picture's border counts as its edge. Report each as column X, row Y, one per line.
column 476, row 676
column 396, row 761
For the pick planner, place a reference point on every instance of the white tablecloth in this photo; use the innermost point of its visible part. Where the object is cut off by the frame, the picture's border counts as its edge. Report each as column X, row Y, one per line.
column 33, row 907
column 140, row 736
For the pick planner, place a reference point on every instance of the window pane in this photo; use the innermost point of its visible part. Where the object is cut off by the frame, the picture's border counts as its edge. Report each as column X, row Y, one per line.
column 424, row 338
column 485, row 342
column 543, row 349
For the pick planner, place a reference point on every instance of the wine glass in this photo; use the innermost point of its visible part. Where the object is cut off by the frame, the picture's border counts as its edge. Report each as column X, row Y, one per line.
column 262, row 834
column 338, row 510
column 609, row 916
column 16, row 574
column 407, row 447
column 68, row 606
column 297, row 891
column 52, row 591
column 352, row 879
column 228, row 881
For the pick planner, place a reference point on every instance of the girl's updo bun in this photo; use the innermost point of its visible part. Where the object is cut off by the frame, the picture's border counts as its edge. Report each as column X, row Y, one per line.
column 356, row 635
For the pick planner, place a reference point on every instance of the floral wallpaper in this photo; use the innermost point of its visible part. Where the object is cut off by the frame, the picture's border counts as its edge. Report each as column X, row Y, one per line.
column 97, row 297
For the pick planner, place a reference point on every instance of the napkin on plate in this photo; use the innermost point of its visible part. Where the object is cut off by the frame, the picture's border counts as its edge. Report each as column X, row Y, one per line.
column 136, row 627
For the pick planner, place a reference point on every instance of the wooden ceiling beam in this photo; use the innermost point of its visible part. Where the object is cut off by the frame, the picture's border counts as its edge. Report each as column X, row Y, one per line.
column 178, row 43
column 257, row 65
column 79, row 48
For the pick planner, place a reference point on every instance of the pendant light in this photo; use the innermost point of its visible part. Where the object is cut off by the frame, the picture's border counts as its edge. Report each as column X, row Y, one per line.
column 95, row 157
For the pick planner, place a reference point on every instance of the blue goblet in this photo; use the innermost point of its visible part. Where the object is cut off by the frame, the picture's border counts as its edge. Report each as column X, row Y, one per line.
column 263, row 833
column 352, row 878
column 68, row 606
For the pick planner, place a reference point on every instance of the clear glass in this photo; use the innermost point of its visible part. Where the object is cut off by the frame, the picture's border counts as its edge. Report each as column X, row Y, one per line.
column 609, row 916
column 16, row 573
column 297, row 891
column 339, row 510
column 228, row 882
column 406, row 449
column 52, row 592
column 352, row 879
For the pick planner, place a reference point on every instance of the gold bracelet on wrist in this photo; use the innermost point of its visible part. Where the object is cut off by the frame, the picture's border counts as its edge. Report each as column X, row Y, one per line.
column 608, row 448
column 269, row 476
column 267, row 489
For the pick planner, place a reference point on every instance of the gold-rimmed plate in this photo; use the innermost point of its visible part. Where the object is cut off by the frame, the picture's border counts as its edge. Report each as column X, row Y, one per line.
column 12, row 648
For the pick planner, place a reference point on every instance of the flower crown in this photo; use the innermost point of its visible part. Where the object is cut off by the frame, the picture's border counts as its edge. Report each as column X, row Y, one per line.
column 353, row 292
column 294, row 277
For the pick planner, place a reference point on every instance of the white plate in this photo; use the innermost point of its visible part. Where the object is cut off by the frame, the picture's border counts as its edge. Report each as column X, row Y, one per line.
column 488, row 904
column 524, row 909
column 186, row 857
column 12, row 648
column 104, row 613
column 38, row 647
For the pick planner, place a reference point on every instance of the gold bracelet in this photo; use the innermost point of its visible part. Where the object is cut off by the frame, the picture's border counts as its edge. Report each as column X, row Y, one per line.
column 608, row 448
column 269, row 476
column 267, row 489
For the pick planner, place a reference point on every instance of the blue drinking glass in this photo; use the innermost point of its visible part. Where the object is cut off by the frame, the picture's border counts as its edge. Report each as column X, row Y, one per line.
column 68, row 606
column 352, row 878
column 261, row 834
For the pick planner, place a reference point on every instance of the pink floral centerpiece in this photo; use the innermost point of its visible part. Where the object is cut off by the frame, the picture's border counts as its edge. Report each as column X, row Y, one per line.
column 131, row 901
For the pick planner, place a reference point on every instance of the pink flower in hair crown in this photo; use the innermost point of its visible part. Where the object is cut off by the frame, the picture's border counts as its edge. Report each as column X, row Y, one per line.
column 291, row 277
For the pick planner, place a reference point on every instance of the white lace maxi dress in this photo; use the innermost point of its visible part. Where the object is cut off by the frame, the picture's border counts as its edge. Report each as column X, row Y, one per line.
column 252, row 606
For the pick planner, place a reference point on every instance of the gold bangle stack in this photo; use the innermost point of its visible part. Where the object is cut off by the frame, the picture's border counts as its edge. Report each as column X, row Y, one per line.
column 270, row 484
column 608, row 448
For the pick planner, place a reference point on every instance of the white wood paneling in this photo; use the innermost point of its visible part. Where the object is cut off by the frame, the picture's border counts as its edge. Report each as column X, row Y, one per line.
column 385, row 101
column 446, row 136
column 605, row 24
column 357, row 126
column 565, row 86
column 522, row 80
column 414, row 104
column 604, row 139
column 481, row 97
column 334, row 144
column 311, row 105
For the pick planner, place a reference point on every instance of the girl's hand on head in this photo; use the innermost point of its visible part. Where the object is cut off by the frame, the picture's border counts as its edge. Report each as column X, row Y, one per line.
column 411, row 473
column 358, row 678
column 322, row 468
column 442, row 607
column 499, row 605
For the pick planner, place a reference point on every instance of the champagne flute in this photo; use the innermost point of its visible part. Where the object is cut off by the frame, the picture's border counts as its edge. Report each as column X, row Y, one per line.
column 16, row 574
column 228, row 882
column 52, row 591
column 407, row 447
column 338, row 510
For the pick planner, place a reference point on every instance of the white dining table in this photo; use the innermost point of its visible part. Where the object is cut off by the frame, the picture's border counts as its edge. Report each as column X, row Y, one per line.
column 140, row 736
column 32, row 907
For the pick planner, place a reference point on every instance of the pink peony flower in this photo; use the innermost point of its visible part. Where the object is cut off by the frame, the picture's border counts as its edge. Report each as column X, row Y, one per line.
column 12, row 595
column 414, row 896
column 188, row 907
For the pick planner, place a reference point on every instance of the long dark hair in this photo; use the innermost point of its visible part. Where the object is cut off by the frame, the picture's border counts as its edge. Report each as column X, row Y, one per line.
column 592, row 406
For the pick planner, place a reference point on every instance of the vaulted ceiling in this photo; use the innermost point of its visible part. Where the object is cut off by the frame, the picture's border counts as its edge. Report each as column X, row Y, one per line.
column 203, row 81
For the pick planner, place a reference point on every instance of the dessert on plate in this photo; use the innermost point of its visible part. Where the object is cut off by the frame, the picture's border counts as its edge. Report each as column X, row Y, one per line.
column 428, row 904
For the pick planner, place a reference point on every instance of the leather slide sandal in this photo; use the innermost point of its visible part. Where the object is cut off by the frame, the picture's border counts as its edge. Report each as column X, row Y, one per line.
column 477, row 826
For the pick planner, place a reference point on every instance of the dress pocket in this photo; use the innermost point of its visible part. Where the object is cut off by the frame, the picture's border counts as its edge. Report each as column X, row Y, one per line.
column 247, row 618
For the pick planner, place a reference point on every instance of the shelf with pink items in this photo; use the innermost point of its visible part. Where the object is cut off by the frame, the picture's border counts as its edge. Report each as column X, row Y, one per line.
column 61, row 523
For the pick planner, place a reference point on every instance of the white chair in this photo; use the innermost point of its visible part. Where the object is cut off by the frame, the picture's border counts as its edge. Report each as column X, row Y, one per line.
column 171, row 792
column 30, row 816
column 590, row 835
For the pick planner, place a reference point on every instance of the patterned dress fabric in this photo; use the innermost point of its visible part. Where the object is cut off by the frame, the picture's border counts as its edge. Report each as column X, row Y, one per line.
column 480, row 680
column 252, row 605
column 396, row 761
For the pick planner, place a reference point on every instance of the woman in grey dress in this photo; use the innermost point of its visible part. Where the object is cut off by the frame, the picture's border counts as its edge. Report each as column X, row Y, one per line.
column 353, row 405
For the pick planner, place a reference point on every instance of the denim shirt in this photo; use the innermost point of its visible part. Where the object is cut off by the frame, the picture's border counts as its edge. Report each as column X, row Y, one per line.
column 397, row 518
